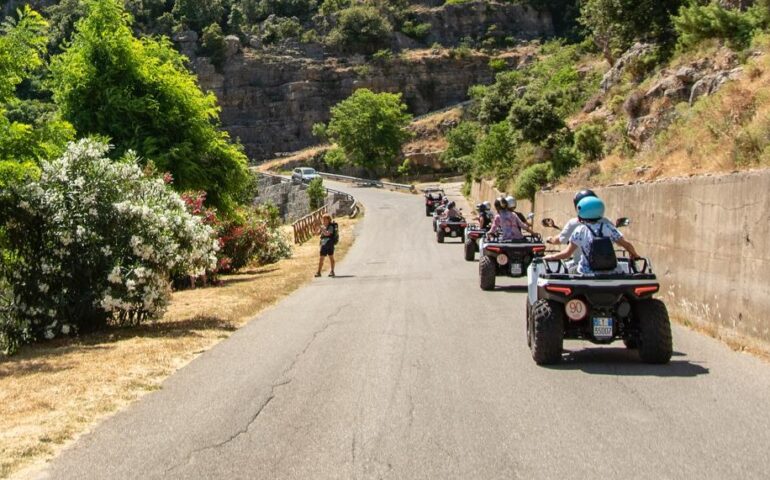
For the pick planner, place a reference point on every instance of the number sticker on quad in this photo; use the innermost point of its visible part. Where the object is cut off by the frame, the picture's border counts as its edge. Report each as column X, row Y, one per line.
column 576, row 310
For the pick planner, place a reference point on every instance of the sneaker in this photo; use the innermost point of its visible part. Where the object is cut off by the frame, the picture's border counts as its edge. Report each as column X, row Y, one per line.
column 317, row 274
column 331, row 274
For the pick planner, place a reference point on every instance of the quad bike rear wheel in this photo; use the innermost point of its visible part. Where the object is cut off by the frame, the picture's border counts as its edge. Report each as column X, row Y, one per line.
column 428, row 213
column 546, row 332
column 631, row 343
column 440, row 236
column 487, row 273
column 655, row 343
column 470, row 250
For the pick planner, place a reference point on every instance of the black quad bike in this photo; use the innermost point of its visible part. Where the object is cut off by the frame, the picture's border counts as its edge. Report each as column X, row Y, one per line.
column 509, row 259
column 473, row 234
column 433, row 198
column 600, row 308
column 437, row 216
column 450, row 227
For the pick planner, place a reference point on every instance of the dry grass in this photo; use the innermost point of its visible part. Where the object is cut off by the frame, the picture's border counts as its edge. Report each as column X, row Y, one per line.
column 52, row 392
column 736, row 342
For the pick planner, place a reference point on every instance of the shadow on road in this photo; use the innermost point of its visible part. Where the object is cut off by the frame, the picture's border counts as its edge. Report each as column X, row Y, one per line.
column 624, row 362
column 344, row 276
column 512, row 289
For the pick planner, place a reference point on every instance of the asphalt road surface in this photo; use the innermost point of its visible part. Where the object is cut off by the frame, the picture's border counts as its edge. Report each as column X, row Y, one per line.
column 402, row 368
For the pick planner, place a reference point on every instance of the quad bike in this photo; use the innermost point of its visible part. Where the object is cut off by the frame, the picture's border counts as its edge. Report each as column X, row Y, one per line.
column 473, row 235
column 437, row 216
column 600, row 308
column 510, row 259
column 433, row 198
column 451, row 227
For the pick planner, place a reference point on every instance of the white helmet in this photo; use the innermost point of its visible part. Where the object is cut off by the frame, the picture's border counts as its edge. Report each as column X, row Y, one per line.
column 511, row 202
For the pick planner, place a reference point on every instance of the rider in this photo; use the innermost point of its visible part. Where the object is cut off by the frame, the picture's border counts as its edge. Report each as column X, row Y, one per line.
column 485, row 216
column 570, row 227
column 506, row 223
column 591, row 215
column 451, row 212
column 512, row 203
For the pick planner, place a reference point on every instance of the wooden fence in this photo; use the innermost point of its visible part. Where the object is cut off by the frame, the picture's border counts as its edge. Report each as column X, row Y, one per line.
column 306, row 227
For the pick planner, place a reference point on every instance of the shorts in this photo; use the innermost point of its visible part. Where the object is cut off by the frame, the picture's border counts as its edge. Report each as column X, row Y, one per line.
column 327, row 249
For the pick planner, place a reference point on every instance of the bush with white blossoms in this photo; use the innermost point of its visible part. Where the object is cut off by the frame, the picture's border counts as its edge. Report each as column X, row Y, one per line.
column 92, row 242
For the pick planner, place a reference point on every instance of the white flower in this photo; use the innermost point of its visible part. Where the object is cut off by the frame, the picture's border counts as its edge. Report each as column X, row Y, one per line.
column 49, row 334
column 130, row 284
column 80, row 231
column 24, row 204
column 65, row 329
column 114, row 276
column 43, row 288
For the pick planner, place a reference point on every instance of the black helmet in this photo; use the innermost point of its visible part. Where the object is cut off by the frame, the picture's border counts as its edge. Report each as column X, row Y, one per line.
column 451, row 205
column 480, row 207
column 501, row 203
column 583, row 194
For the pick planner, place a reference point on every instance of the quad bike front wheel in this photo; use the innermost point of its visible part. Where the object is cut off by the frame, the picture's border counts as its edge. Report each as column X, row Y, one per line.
column 655, row 343
column 546, row 332
column 428, row 213
column 470, row 250
column 487, row 273
column 440, row 236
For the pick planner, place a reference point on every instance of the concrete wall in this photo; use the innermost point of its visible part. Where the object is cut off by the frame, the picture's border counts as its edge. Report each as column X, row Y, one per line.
column 709, row 241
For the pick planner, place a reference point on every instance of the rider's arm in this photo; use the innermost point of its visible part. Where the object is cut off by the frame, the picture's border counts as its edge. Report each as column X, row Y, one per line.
column 628, row 246
column 564, row 254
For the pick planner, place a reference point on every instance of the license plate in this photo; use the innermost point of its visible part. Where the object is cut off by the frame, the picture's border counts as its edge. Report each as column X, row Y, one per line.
column 454, row 234
column 602, row 327
column 516, row 269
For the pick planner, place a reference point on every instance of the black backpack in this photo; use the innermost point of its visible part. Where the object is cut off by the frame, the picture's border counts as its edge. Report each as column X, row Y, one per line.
column 601, row 256
column 336, row 234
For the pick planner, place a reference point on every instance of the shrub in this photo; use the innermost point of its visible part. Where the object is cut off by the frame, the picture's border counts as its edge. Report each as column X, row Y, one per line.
column 532, row 179
column 417, row 31
column 329, row 7
column 361, row 29
column 696, row 23
column 535, row 118
column 495, row 153
column 498, row 64
column 383, row 56
column 370, row 127
column 335, row 158
column 276, row 29
column 197, row 14
column 257, row 10
column 95, row 240
column 589, row 141
column 316, row 193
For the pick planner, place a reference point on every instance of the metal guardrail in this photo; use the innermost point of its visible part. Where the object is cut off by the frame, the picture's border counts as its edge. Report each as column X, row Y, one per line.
column 366, row 182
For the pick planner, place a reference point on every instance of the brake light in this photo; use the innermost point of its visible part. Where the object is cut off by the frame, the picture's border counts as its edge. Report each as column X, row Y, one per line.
column 566, row 291
column 463, row 225
column 538, row 249
column 639, row 291
column 495, row 249
column 443, row 225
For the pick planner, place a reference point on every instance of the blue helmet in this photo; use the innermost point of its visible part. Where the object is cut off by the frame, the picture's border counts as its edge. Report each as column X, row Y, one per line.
column 590, row 208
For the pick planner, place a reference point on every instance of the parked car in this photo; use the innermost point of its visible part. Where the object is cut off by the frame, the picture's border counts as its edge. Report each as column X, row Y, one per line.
column 304, row 174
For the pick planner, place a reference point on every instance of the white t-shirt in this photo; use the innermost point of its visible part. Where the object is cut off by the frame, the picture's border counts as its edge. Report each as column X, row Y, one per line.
column 583, row 238
column 569, row 229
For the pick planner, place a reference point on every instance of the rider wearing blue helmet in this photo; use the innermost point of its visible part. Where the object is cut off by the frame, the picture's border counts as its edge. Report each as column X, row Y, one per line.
column 591, row 228
column 570, row 226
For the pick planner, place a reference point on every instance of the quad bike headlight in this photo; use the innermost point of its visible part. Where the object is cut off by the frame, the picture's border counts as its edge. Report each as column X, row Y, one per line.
column 502, row 259
column 447, row 229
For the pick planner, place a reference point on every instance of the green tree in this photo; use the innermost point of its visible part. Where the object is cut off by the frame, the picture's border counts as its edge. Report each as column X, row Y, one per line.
column 461, row 141
column 316, row 193
column 696, row 23
column 36, row 133
column 198, row 14
column 535, row 118
column 213, row 44
column 361, row 28
column 615, row 24
column 532, row 179
column 370, row 127
column 139, row 94
column 495, row 153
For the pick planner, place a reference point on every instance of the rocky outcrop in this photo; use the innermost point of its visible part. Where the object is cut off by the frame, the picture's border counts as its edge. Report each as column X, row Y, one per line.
column 626, row 61
column 451, row 23
column 270, row 102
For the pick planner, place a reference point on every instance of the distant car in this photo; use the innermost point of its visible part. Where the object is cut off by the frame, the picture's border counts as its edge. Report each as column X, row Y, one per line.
column 304, row 174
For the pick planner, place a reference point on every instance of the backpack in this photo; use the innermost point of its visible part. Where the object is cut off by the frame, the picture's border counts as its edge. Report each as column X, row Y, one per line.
column 336, row 235
column 601, row 254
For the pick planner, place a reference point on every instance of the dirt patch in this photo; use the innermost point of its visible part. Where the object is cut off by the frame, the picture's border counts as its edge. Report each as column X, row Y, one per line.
column 52, row 392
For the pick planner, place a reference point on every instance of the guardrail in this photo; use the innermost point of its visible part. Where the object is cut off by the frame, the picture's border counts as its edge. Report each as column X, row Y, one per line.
column 306, row 227
column 366, row 182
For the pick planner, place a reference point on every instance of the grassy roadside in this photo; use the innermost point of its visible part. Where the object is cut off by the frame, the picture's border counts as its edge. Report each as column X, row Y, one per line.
column 50, row 393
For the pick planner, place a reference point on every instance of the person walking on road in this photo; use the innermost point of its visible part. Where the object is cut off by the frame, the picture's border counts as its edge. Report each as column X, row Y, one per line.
column 329, row 234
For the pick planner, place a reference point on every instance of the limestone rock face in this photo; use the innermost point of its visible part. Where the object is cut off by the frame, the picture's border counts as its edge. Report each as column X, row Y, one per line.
column 271, row 101
column 478, row 19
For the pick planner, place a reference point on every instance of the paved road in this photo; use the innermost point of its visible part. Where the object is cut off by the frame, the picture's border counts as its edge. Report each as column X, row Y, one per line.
column 402, row 368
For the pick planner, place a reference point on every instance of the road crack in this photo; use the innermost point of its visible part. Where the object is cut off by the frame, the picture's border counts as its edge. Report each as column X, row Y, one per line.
column 282, row 381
